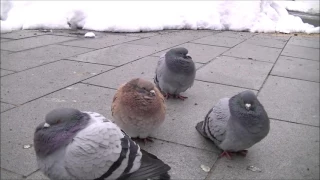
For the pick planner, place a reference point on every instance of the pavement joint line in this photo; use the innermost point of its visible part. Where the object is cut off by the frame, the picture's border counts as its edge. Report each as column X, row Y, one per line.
column 66, row 59
column 9, row 103
column 76, row 46
column 226, row 85
column 98, row 86
column 301, row 58
column 184, row 145
column 2, row 50
column 294, row 78
column 26, row 176
column 303, row 46
column 8, row 70
column 213, row 167
column 265, row 80
column 310, row 125
column 249, row 59
column 11, row 171
column 25, row 37
column 7, row 110
column 213, row 45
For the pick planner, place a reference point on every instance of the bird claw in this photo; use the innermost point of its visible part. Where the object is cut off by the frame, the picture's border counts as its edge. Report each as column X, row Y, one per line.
column 180, row 97
column 167, row 96
column 228, row 154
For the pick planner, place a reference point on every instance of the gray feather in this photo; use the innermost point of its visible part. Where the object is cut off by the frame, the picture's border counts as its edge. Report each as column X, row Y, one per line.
column 175, row 72
column 232, row 126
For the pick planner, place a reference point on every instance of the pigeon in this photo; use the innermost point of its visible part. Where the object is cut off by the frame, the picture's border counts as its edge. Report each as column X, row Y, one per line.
column 138, row 108
column 235, row 124
column 73, row 144
column 175, row 73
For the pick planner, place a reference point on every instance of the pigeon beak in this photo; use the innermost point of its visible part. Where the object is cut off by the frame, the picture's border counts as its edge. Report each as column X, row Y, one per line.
column 46, row 125
column 188, row 56
column 153, row 93
column 248, row 106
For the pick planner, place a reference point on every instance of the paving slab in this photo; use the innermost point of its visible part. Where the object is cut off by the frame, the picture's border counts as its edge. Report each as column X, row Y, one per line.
column 116, row 55
column 235, row 34
column 296, row 68
column 235, row 71
column 100, row 41
column 142, row 68
column 15, row 132
column 302, row 41
column 216, row 40
column 168, row 40
column 182, row 116
column 35, row 57
column 38, row 176
column 199, row 53
column 22, row 34
column 246, row 50
column 6, row 175
column 273, row 36
column 32, row 42
column 5, row 72
column 301, row 52
column 290, row 151
column 185, row 163
column 267, row 41
column 5, row 106
column 291, row 100
column 40, row 81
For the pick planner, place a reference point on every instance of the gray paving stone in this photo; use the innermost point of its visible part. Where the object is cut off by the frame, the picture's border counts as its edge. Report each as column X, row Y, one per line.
column 116, row 55
column 6, row 175
column 235, row 34
column 273, row 36
column 22, row 34
column 185, row 162
column 198, row 65
column 290, row 151
column 237, row 72
column 143, row 34
column 200, row 53
column 268, row 41
column 38, row 176
column 143, row 68
column 168, row 40
column 100, row 41
column 37, row 82
column 245, row 50
column 296, row 68
column 291, row 100
column 18, row 125
column 300, row 41
column 216, row 40
column 34, row 57
column 5, row 72
column 301, row 52
column 5, row 106
column 182, row 116
column 33, row 42
column 5, row 40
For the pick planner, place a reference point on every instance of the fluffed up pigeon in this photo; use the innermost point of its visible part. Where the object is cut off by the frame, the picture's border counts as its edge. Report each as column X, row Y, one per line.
column 236, row 124
column 138, row 108
column 71, row 144
column 175, row 72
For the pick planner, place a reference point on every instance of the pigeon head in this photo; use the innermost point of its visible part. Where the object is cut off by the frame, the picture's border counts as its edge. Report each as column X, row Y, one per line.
column 142, row 86
column 60, row 126
column 178, row 60
column 246, row 108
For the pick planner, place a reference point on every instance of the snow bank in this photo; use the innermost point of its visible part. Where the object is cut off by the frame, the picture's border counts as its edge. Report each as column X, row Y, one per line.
column 311, row 7
column 135, row 16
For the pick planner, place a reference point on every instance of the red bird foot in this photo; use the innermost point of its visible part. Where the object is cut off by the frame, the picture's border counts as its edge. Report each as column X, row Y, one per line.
column 180, row 97
column 145, row 140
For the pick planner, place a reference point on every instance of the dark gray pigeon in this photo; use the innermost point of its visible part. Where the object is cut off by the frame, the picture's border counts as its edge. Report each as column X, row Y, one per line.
column 236, row 124
column 71, row 144
column 175, row 73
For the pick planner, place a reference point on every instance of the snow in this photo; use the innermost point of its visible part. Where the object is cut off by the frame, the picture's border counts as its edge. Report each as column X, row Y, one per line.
column 136, row 16
column 89, row 35
column 311, row 7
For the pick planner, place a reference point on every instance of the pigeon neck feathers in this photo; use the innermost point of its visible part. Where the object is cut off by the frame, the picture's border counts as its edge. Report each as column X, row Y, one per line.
column 48, row 140
column 253, row 120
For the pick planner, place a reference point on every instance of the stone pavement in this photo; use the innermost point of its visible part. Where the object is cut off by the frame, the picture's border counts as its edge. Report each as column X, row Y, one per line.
column 45, row 70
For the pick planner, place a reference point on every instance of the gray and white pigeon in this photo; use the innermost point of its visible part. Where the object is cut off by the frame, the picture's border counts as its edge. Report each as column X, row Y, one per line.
column 235, row 124
column 71, row 144
column 175, row 72
column 138, row 108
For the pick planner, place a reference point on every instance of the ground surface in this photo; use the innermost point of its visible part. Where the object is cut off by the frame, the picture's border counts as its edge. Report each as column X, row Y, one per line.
column 44, row 70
